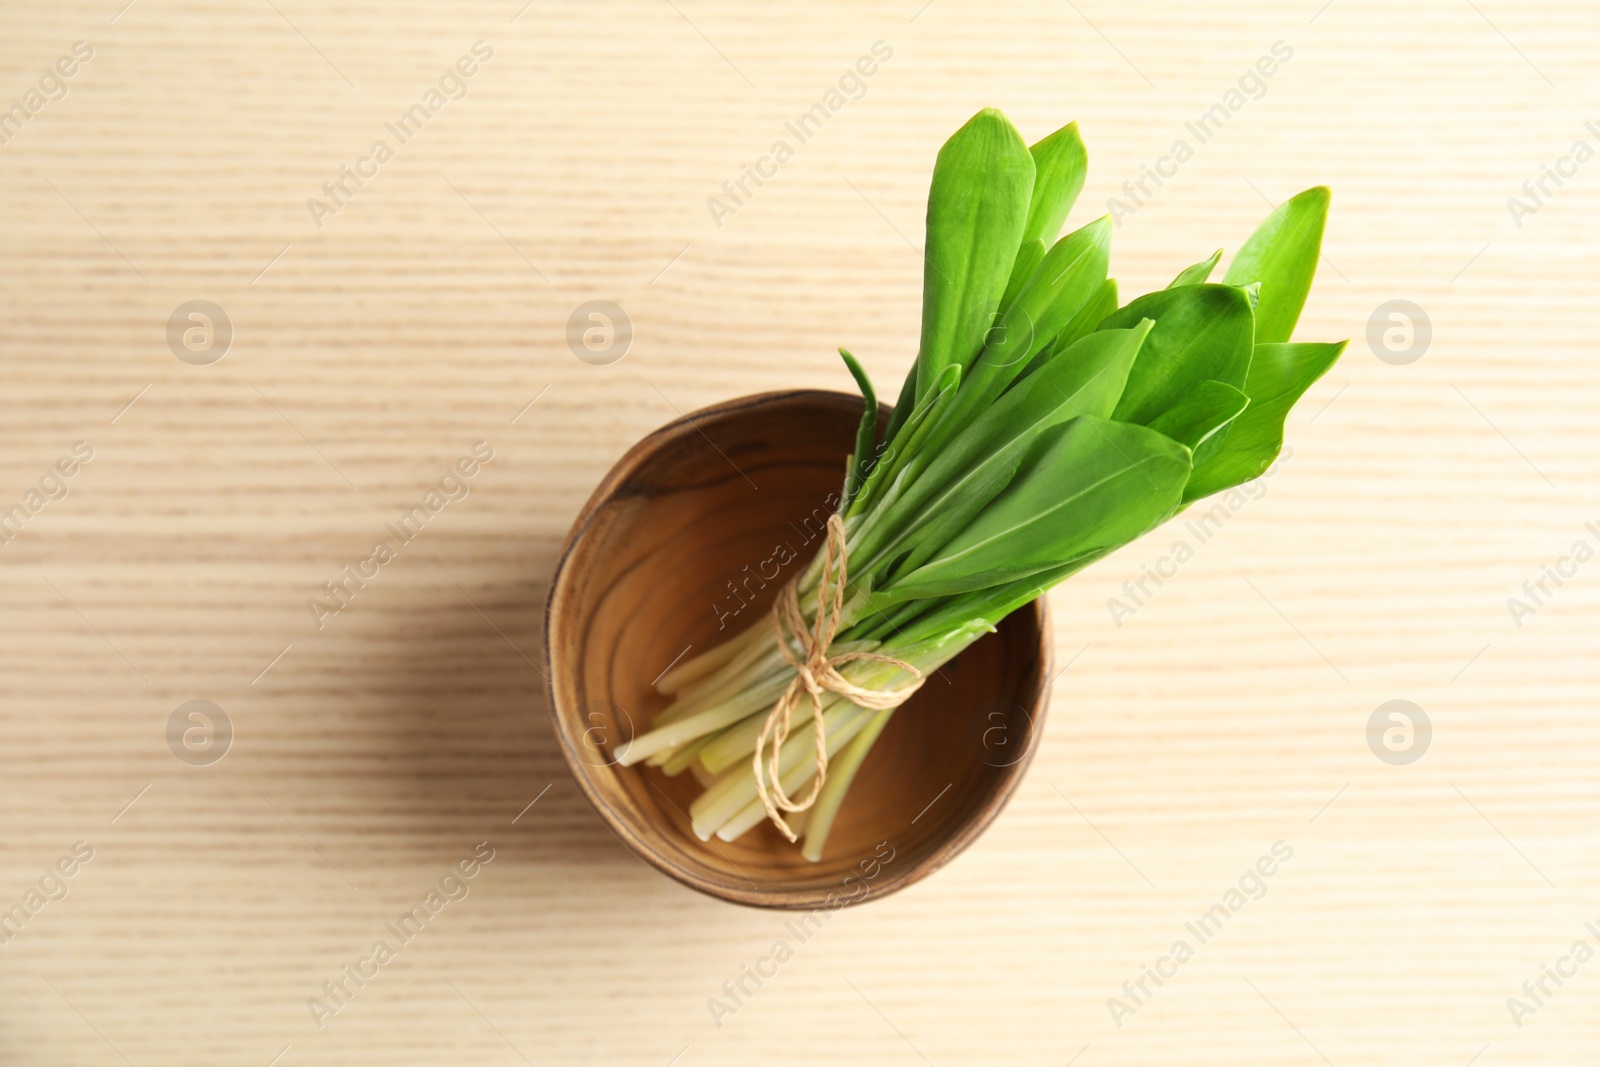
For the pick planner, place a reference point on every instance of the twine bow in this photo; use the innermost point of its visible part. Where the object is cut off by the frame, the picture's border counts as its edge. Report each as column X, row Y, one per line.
column 816, row 673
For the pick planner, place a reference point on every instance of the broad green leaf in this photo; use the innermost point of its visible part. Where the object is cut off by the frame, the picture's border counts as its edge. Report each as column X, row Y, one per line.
column 977, row 207
column 1088, row 376
column 1207, row 409
column 1282, row 256
column 1093, row 312
column 1070, row 273
column 1060, row 163
column 1279, row 375
column 1202, row 332
column 1199, row 273
column 1088, row 484
column 1090, row 316
column 982, row 460
column 1068, row 276
column 1028, row 257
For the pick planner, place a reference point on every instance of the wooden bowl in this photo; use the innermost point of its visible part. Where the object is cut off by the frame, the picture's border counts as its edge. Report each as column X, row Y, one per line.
column 689, row 532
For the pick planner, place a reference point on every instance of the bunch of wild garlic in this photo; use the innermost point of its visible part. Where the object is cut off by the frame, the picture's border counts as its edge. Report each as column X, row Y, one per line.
column 1042, row 427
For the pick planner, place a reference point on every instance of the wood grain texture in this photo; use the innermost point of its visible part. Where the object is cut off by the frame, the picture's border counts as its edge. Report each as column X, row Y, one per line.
column 1228, row 712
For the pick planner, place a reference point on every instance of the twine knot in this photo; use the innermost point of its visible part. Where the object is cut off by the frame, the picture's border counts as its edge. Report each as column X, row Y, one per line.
column 816, row 673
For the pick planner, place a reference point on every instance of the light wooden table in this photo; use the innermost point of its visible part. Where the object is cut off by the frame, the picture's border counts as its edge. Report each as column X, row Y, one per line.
column 428, row 313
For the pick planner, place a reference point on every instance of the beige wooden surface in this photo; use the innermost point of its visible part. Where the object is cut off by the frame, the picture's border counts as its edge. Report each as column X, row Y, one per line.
column 1228, row 713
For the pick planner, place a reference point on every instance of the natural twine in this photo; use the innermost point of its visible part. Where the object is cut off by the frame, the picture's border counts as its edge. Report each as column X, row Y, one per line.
column 816, row 672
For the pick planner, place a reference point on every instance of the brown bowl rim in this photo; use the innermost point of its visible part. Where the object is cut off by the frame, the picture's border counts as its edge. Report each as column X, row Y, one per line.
column 891, row 879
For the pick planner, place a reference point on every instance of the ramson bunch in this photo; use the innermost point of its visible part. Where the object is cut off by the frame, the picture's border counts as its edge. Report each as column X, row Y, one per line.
column 1043, row 426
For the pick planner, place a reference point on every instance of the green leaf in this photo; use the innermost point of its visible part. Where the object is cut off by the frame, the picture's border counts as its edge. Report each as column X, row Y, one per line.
column 1282, row 255
column 1089, row 375
column 954, row 622
column 1090, row 316
column 902, row 449
column 904, row 406
column 1087, row 484
column 1084, row 323
column 1028, row 257
column 1279, row 375
column 1198, row 273
column 1202, row 332
column 1060, row 163
column 964, row 477
column 946, row 388
column 1253, row 291
column 861, row 459
column 977, row 207
column 1207, row 409
column 1070, row 274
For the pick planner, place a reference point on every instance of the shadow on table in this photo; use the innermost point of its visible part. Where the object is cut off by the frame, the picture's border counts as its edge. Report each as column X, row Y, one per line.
column 465, row 730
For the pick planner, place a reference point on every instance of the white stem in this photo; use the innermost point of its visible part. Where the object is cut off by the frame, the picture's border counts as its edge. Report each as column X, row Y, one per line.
column 739, row 741
column 710, row 661
column 732, row 794
column 674, row 761
column 725, row 685
column 796, row 781
column 841, row 772
column 674, row 734
column 705, row 777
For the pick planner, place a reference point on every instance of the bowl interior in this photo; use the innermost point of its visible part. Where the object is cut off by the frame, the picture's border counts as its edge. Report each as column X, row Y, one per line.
column 686, row 543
